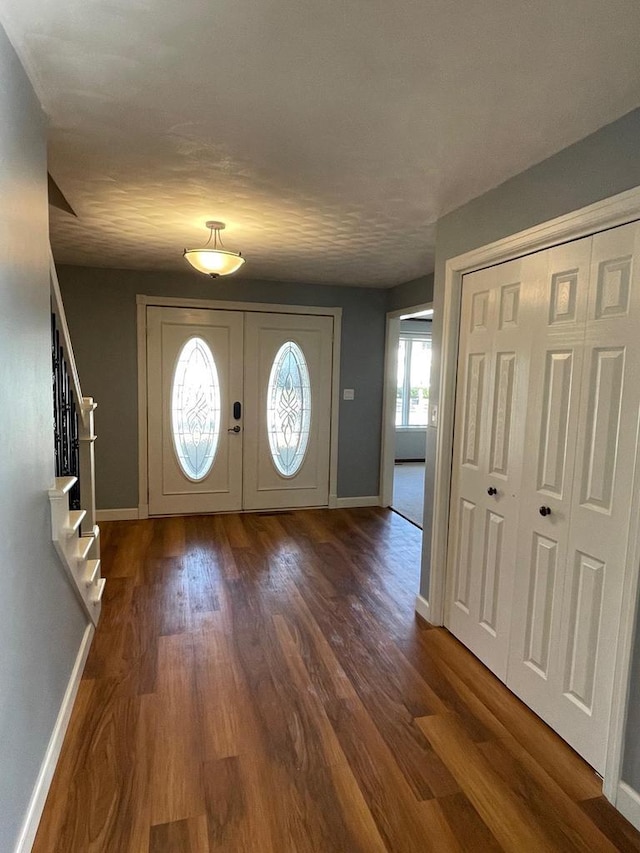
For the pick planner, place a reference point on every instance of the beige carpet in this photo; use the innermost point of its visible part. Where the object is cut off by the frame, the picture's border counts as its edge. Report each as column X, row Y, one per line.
column 408, row 490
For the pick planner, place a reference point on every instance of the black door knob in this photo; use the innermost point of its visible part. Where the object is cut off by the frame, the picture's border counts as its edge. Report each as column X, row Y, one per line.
column 236, row 429
column 544, row 510
column 492, row 490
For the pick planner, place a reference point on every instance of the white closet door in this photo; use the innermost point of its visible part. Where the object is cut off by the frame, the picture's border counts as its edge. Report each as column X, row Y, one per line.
column 548, row 475
column 602, row 498
column 288, row 371
column 194, row 375
column 557, row 618
column 496, row 335
column 576, row 697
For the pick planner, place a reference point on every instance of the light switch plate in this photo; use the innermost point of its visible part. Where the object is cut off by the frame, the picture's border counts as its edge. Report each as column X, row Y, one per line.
column 348, row 394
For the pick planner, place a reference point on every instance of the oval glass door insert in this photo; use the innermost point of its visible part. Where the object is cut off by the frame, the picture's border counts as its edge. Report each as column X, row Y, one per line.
column 288, row 409
column 195, row 409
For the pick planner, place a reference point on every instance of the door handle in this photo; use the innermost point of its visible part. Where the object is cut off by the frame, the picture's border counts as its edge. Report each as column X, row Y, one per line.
column 492, row 490
column 237, row 410
column 236, row 429
column 545, row 510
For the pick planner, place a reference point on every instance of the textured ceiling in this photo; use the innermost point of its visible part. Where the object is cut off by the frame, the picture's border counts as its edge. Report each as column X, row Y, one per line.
column 328, row 135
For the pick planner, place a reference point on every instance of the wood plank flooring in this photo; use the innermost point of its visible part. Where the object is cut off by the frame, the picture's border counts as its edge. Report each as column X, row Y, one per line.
column 261, row 683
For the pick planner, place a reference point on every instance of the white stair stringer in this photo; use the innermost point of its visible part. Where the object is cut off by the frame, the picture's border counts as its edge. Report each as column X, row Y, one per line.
column 79, row 553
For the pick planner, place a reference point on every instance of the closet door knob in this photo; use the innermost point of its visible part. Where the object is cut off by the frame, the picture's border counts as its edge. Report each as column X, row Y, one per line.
column 492, row 490
column 544, row 510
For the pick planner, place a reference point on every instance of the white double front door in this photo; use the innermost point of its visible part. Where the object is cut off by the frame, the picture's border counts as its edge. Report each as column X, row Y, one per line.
column 239, row 410
column 545, row 445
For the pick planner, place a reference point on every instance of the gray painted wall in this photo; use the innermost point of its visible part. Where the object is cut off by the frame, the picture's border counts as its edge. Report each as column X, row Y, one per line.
column 410, row 443
column 41, row 624
column 601, row 165
column 410, row 293
column 101, row 310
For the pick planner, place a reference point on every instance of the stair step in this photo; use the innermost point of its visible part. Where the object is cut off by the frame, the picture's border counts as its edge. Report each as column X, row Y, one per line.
column 75, row 520
column 97, row 596
column 62, row 486
column 92, row 573
column 84, row 546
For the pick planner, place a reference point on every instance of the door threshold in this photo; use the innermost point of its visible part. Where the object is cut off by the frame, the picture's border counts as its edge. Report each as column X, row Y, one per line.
column 406, row 517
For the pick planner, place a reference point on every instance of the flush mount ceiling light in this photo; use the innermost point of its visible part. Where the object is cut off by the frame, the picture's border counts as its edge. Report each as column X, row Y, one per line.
column 214, row 259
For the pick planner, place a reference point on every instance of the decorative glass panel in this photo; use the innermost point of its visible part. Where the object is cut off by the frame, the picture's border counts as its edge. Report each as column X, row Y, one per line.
column 195, row 409
column 288, row 409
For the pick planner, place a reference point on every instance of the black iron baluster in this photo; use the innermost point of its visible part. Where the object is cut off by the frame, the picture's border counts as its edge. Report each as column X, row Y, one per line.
column 65, row 416
column 74, row 495
column 65, row 419
column 57, row 402
column 56, row 407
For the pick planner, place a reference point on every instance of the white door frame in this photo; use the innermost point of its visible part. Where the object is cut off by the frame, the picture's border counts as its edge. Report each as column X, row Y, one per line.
column 387, row 455
column 609, row 213
column 144, row 301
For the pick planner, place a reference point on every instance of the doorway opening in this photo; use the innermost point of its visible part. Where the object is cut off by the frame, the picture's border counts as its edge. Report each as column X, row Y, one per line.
column 406, row 411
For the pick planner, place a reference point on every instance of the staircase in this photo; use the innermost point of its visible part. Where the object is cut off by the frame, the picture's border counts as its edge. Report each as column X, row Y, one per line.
column 76, row 536
column 77, row 551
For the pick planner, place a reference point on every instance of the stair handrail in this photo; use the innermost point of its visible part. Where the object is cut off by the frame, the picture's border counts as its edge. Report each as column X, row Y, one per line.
column 85, row 408
column 65, row 341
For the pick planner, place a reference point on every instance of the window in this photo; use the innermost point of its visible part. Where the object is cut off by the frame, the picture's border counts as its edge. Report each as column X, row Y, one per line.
column 289, row 409
column 414, row 368
column 195, row 409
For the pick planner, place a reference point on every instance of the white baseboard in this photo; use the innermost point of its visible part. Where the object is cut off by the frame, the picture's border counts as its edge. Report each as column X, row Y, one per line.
column 131, row 514
column 48, row 766
column 628, row 803
column 351, row 503
column 124, row 514
column 422, row 608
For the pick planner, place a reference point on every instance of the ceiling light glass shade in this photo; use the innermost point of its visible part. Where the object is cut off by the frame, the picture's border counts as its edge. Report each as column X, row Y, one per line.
column 212, row 258
column 214, row 261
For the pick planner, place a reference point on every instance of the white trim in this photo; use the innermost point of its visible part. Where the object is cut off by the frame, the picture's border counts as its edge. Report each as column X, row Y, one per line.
column 624, row 648
column 335, row 403
column 602, row 215
column 143, row 436
column 143, row 301
column 422, row 608
column 221, row 305
column 412, row 309
column 628, row 803
column 117, row 514
column 48, row 766
column 351, row 503
column 388, row 449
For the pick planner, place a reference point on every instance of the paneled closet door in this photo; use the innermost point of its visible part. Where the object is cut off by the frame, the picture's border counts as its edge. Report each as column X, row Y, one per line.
column 495, row 341
column 574, row 696
column 548, row 474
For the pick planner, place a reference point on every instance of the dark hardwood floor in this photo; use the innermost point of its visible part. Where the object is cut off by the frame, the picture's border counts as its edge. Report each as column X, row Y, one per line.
column 261, row 683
